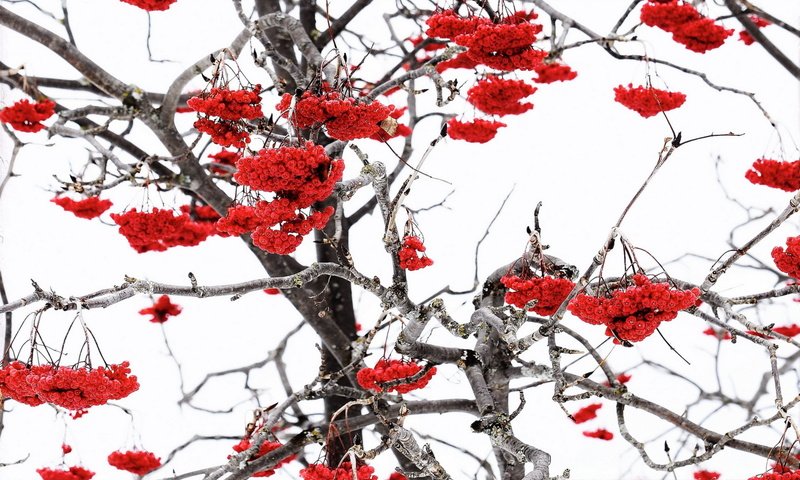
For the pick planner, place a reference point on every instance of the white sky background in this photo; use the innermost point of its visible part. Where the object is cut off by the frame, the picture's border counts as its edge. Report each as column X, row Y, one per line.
column 578, row 151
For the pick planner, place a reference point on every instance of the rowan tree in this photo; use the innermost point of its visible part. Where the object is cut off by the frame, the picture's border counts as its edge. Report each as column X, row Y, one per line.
column 597, row 308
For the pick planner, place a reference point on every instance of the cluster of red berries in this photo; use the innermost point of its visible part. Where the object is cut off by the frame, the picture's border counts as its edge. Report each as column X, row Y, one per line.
column 231, row 108
column 161, row 310
column 498, row 96
column 344, row 471
column 239, row 220
column 775, row 174
column 792, row 330
column 548, row 292
column 159, row 230
column 151, row 5
column 600, row 433
column 706, row 475
column 71, row 388
column 25, row 116
column 476, row 131
column 586, row 413
column 90, row 207
column 343, row 118
column 788, row 475
column 299, row 177
column 759, row 22
column 549, row 72
column 388, row 370
column 222, row 159
column 506, row 45
column 648, row 101
column 409, row 254
column 633, row 313
column 264, row 449
column 139, row 462
column 71, row 473
column 788, row 260
column 687, row 26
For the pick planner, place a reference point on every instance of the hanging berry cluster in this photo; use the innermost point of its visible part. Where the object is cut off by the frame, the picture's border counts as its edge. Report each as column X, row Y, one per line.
column 633, row 314
column 498, row 96
column 389, row 370
column 344, row 471
column 706, row 475
column 586, row 413
column 88, row 208
column 161, row 310
column 409, row 254
column 264, row 449
column 71, row 388
column 343, row 118
column 759, row 22
column 550, row 72
column 793, row 475
column 476, row 131
column 151, row 5
column 71, row 473
column 158, row 230
column 507, row 45
column 788, row 260
column 775, row 174
column 648, row 101
column 687, row 26
column 239, row 220
column 548, row 292
column 139, row 462
column 25, row 116
column 221, row 160
column 299, row 177
column 231, row 108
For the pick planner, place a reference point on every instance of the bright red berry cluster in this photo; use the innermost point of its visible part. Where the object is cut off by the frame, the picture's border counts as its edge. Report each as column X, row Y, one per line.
column 775, row 174
column 648, row 101
column 687, row 26
column 344, row 471
column 25, row 116
column 788, row 330
column 549, row 72
column 72, row 473
column 506, row 45
column 586, row 413
column 388, row 370
column 600, row 433
column 139, row 462
column 239, row 220
column 151, row 5
column 788, row 260
column 759, row 22
column 633, row 313
column 159, row 230
column 223, row 158
column 789, row 475
column 706, row 475
column 476, row 131
column 498, row 96
column 264, row 449
column 201, row 213
column 90, row 207
column 548, row 292
column 343, row 118
column 161, row 310
column 71, row 388
column 409, row 254
column 299, row 177
column 230, row 108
